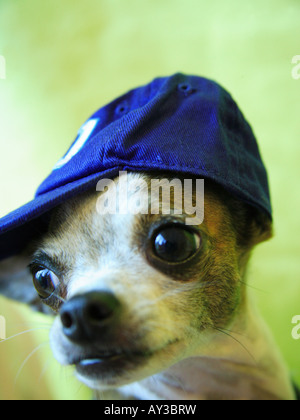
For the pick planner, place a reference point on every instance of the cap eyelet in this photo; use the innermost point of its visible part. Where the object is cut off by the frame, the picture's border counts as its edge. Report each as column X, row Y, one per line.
column 185, row 87
column 122, row 109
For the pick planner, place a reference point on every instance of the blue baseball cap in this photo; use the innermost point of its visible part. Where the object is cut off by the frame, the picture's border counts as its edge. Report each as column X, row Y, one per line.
column 179, row 124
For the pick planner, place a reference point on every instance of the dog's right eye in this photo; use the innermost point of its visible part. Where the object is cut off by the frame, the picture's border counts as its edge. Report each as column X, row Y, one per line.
column 45, row 282
column 175, row 244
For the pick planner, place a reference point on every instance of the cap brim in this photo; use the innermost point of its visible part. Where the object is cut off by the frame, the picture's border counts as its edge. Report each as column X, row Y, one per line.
column 30, row 221
column 21, row 226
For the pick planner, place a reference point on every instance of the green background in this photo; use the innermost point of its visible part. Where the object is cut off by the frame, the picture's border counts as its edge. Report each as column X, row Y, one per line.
column 64, row 59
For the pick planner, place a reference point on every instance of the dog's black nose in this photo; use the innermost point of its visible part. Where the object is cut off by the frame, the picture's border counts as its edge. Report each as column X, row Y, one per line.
column 85, row 317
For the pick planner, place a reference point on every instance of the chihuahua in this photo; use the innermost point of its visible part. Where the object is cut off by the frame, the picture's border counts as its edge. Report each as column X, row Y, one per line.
column 150, row 290
column 148, row 307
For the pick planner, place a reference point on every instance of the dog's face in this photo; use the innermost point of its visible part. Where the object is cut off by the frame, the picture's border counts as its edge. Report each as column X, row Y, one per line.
column 136, row 293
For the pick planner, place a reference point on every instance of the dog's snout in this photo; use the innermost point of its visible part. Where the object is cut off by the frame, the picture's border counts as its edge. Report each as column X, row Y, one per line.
column 85, row 317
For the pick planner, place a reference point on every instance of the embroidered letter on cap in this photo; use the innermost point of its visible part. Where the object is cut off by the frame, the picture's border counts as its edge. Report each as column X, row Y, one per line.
column 84, row 134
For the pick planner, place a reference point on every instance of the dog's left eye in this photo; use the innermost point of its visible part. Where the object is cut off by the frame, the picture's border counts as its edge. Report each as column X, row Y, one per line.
column 176, row 244
column 45, row 282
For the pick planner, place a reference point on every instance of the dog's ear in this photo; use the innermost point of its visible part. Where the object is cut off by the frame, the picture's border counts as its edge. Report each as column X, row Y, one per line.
column 16, row 281
column 252, row 226
column 262, row 227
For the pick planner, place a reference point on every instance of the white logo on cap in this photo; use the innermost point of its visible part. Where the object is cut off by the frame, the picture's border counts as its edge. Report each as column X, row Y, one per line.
column 84, row 134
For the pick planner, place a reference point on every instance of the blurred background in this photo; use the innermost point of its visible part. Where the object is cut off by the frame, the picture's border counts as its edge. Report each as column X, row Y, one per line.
column 62, row 60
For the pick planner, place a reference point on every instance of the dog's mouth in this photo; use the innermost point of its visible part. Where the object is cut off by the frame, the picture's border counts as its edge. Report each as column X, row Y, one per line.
column 115, row 362
column 99, row 365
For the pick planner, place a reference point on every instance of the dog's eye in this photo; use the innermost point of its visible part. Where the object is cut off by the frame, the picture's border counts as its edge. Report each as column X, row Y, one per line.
column 45, row 282
column 176, row 244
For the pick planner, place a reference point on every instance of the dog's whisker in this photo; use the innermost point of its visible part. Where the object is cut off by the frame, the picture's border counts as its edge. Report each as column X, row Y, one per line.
column 36, row 324
column 186, row 288
column 25, row 332
column 237, row 341
column 234, row 332
column 44, row 370
column 98, row 395
column 59, row 297
column 251, row 286
column 156, row 326
column 152, row 302
column 152, row 325
column 34, row 351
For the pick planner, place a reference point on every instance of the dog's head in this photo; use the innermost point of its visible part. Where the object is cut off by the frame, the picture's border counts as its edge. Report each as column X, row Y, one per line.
column 134, row 292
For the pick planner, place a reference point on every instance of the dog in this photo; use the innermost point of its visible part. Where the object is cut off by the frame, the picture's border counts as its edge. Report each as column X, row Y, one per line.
column 150, row 291
column 153, row 308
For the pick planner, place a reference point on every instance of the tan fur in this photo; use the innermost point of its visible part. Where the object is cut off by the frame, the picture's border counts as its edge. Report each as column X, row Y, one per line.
column 191, row 319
